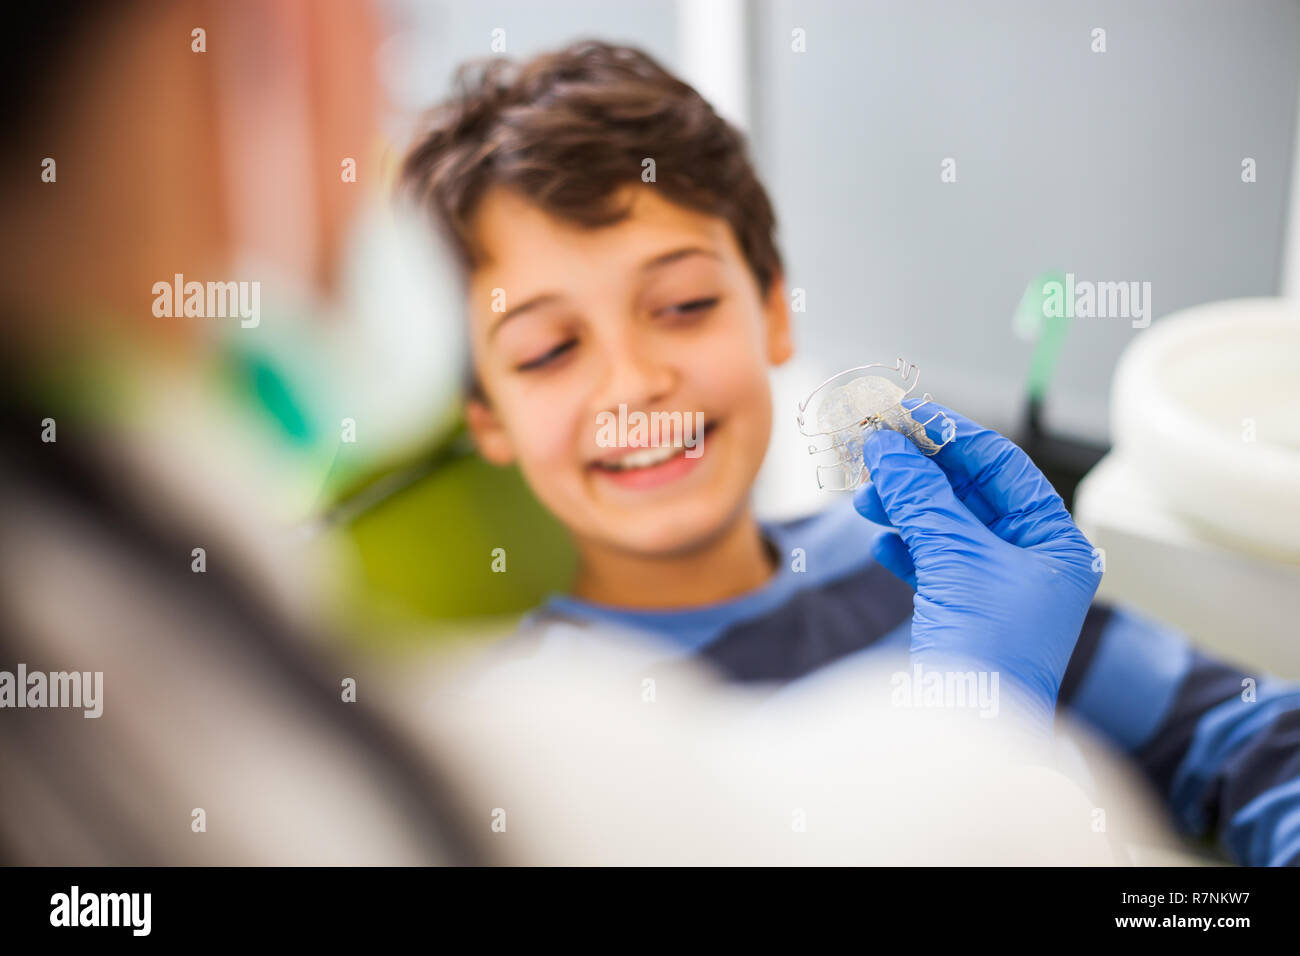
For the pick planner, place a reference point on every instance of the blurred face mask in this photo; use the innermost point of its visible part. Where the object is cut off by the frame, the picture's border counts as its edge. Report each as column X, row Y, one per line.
column 348, row 387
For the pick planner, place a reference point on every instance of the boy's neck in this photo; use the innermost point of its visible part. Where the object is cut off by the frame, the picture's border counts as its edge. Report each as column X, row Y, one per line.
column 734, row 562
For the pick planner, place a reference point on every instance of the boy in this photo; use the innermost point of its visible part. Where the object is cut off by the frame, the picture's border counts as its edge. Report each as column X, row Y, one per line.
column 619, row 254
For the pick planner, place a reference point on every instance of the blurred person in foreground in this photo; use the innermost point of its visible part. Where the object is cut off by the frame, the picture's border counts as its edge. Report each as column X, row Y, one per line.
column 146, row 540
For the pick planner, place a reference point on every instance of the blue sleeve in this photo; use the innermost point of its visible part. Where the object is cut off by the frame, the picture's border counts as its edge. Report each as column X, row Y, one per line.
column 1221, row 745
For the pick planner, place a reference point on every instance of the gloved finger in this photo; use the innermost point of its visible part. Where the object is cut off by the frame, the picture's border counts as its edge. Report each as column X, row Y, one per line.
column 890, row 551
column 1026, row 510
column 867, row 502
column 939, row 426
column 916, row 494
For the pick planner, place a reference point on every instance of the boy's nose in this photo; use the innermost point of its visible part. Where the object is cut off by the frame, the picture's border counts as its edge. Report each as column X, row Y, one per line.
column 635, row 379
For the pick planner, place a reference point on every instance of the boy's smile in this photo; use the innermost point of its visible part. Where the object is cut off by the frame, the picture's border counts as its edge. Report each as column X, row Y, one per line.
column 657, row 315
column 643, row 468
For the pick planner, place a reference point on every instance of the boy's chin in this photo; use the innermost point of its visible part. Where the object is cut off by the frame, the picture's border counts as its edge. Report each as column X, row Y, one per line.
column 667, row 531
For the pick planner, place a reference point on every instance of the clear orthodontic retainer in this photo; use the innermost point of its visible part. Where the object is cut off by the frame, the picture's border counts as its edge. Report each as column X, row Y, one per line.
column 865, row 401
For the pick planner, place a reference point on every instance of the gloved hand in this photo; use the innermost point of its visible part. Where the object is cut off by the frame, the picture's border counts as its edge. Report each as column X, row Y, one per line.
column 1003, row 577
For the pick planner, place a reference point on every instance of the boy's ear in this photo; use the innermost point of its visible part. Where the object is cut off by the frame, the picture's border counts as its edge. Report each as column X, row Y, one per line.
column 488, row 432
column 780, row 345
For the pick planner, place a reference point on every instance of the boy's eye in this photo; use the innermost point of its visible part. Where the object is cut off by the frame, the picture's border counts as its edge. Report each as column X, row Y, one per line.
column 693, row 307
column 547, row 357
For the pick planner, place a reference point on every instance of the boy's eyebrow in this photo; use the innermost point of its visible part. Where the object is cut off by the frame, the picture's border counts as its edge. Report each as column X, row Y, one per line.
column 548, row 297
column 537, row 300
column 674, row 255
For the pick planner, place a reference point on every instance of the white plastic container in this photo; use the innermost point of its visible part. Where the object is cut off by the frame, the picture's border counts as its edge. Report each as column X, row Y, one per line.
column 1197, row 507
column 1206, row 408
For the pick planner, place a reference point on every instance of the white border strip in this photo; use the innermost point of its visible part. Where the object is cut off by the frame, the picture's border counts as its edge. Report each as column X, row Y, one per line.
column 711, row 44
column 1291, row 237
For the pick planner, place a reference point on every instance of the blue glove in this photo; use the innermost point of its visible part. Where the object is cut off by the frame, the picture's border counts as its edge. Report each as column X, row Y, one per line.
column 1003, row 577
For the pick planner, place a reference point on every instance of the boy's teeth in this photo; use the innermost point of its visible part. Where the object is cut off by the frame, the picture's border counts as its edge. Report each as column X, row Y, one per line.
column 644, row 458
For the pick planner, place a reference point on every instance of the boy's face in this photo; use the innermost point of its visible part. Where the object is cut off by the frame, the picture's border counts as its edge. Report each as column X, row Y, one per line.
column 660, row 313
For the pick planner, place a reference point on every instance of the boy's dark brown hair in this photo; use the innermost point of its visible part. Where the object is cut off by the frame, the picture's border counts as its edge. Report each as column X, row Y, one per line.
column 568, row 129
